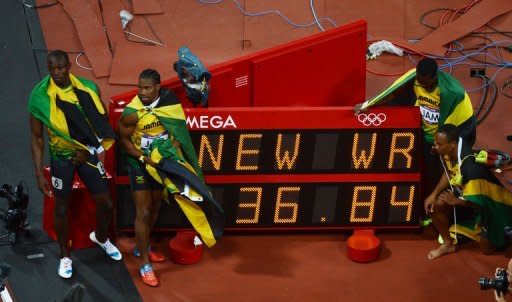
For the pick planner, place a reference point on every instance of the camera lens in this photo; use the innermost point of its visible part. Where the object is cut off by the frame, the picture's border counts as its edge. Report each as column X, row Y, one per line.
column 486, row 283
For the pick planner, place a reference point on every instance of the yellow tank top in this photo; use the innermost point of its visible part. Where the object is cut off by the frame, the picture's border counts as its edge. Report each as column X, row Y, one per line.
column 428, row 102
column 148, row 129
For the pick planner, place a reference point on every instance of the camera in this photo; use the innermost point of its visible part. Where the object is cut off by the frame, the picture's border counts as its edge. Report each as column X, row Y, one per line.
column 500, row 283
column 5, row 269
column 16, row 214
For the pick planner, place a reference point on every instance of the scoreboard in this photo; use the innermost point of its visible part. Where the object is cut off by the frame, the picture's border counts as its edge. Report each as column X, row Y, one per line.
column 302, row 168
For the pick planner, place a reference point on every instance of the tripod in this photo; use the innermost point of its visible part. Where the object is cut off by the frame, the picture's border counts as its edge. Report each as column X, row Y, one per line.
column 15, row 216
column 15, row 223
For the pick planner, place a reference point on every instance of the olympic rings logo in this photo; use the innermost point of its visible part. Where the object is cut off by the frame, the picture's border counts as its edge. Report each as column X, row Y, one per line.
column 371, row 119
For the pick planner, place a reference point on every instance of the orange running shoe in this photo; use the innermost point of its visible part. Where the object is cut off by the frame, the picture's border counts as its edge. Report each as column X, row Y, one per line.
column 148, row 276
column 154, row 256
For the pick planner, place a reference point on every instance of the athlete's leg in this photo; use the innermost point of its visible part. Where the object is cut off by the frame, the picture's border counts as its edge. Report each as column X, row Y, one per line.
column 94, row 177
column 441, row 221
column 62, row 171
column 156, row 197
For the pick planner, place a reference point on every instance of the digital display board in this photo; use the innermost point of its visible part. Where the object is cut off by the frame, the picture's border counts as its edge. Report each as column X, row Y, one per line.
column 303, row 167
column 307, row 151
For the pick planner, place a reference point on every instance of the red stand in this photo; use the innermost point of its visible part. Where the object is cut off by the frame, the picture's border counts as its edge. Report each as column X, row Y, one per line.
column 182, row 249
column 363, row 246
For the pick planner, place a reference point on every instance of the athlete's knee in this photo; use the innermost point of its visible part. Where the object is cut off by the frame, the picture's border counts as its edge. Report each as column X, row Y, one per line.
column 107, row 204
column 104, row 201
column 144, row 215
column 61, row 210
column 441, row 206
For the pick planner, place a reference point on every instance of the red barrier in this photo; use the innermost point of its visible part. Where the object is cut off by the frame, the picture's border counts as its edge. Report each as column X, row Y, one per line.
column 325, row 69
column 281, row 148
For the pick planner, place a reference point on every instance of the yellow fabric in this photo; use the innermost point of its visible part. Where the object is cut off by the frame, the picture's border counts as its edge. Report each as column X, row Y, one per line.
column 389, row 89
column 58, row 119
column 193, row 212
column 461, row 113
column 455, row 174
column 197, row 218
column 493, row 191
column 171, row 111
column 429, row 104
column 481, row 157
column 148, row 125
column 169, row 185
column 468, row 232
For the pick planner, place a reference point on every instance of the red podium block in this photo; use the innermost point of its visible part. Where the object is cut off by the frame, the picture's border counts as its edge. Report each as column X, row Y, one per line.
column 182, row 249
column 81, row 215
column 363, row 246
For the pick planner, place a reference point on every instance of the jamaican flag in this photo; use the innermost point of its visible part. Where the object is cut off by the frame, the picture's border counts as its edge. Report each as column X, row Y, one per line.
column 481, row 187
column 178, row 168
column 452, row 96
column 74, row 116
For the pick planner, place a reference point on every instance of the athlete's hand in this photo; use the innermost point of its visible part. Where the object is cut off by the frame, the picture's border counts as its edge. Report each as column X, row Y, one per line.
column 42, row 184
column 80, row 157
column 499, row 296
column 448, row 198
column 429, row 204
column 150, row 162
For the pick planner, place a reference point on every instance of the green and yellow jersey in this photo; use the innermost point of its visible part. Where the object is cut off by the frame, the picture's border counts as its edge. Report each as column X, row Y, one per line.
column 74, row 116
column 447, row 104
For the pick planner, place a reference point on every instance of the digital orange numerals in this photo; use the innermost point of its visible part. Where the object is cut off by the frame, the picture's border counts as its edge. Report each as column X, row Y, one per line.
column 288, row 204
column 403, row 203
column 255, row 204
column 363, row 197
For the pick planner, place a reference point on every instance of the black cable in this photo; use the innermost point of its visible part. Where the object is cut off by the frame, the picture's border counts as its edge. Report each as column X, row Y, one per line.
column 507, row 85
column 491, row 102
column 424, row 15
column 483, row 98
column 496, row 46
column 433, row 27
column 496, row 31
column 463, row 52
column 105, row 27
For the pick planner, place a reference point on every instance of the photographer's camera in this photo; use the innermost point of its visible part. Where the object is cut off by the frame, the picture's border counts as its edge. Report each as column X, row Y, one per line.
column 16, row 214
column 499, row 283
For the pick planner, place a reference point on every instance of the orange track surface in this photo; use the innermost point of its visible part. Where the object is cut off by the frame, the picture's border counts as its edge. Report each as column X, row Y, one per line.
column 298, row 267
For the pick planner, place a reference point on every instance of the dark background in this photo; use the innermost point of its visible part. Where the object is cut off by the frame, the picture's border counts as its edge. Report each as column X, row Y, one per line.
column 20, row 32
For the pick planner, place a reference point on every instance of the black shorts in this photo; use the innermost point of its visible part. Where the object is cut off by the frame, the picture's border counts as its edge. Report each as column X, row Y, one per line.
column 141, row 180
column 92, row 173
